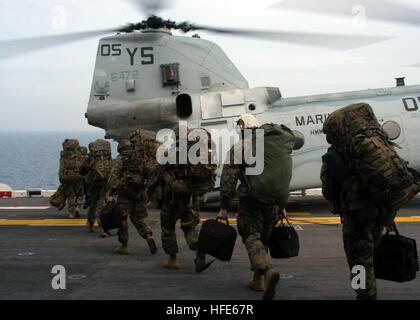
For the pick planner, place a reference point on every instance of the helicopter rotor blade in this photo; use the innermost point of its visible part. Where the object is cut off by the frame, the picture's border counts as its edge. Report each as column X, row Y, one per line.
column 323, row 40
column 381, row 10
column 11, row 48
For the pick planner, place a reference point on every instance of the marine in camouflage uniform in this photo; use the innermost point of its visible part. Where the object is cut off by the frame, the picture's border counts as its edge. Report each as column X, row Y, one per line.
column 96, row 191
column 362, row 231
column 362, row 226
column 180, row 202
column 85, row 156
column 255, row 220
column 72, row 190
column 128, row 181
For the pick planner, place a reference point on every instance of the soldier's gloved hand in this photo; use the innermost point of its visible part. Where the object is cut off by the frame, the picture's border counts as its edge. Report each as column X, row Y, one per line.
column 223, row 213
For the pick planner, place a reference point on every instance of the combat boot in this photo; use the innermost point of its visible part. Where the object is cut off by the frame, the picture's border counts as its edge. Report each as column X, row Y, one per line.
column 151, row 243
column 77, row 213
column 257, row 283
column 172, row 263
column 271, row 277
column 90, row 226
column 102, row 233
column 122, row 250
column 200, row 262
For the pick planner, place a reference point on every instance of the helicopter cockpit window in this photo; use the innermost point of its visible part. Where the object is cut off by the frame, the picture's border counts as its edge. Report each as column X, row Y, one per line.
column 170, row 74
column 392, row 129
column 183, row 106
column 299, row 140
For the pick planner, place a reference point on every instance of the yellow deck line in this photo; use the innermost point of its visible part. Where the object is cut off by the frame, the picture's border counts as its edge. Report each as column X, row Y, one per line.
column 82, row 222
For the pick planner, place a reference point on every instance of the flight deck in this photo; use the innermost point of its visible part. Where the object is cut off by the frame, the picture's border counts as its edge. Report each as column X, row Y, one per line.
column 35, row 237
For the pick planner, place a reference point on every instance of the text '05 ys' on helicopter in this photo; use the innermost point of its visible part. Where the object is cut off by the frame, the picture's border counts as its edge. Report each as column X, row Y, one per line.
column 146, row 77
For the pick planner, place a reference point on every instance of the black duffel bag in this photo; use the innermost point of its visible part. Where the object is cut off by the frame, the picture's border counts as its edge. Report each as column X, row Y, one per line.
column 217, row 239
column 284, row 241
column 110, row 216
column 396, row 258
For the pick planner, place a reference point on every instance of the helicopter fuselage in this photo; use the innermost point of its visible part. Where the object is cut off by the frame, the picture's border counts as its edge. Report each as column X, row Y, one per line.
column 152, row 80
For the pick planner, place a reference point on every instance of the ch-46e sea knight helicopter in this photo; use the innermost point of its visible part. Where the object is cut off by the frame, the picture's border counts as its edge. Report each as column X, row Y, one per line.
column 146, row 77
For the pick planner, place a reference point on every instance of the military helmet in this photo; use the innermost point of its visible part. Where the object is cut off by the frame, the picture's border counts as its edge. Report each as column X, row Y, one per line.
column 124, row 145
column 247, row 121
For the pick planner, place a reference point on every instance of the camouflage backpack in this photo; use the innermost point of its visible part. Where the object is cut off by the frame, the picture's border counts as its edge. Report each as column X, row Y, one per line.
column 191, row 179
column 58, row 199
column 201, row 177
column 376, row 168
column 70, row 161
column 133, row 179
column 145, row 146
column 102, row 157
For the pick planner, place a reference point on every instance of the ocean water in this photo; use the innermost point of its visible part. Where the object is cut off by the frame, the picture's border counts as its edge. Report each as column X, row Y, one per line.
column 31, row 159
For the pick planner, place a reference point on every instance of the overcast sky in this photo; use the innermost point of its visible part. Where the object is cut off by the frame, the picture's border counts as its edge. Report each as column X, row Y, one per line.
column 49, row 89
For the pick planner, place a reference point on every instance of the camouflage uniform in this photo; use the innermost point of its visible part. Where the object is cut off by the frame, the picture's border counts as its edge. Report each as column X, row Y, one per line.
column 74, row 195
column 72, row 190
column 97, row 201
column 255, row 219
column 360, row 243
column 97, row 192
column 182, row 186
column 178, row 205
column 344, row 185
column 85, row 156
column 362, row 230
column 128, row 180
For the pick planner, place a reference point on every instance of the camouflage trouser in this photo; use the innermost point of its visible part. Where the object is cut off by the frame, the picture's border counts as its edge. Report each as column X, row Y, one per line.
column 177, row 207
column 255, row 223
column 137, row 211
column 360, row 242
column 86, row 188
column 74, row 194
column 97, row 201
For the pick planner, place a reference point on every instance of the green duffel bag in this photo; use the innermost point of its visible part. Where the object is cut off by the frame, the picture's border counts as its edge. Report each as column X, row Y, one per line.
column 272, row 186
